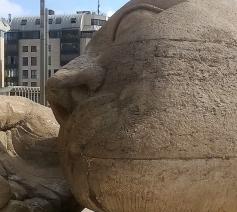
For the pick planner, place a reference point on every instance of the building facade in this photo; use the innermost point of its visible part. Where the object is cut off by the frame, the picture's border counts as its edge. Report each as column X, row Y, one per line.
column 4, row 26
column 68, row 37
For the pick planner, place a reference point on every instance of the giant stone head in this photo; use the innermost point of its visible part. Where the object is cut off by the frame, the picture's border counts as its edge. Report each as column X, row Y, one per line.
column 148, row 114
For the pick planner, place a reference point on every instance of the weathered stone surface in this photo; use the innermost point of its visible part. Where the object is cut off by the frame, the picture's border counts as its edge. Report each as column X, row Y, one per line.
column 148, row 115
column 39, row 205
column 30, row 130
column 3, row 171
column 16, row 206
column 5, row 192
column 18, row 191
column 29, row 157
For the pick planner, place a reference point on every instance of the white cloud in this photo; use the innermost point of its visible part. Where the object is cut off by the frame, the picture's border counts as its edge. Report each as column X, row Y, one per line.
column 110, row 13
column 8, row 6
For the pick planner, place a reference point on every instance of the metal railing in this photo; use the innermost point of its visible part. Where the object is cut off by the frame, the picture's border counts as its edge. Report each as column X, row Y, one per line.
column 32, row 93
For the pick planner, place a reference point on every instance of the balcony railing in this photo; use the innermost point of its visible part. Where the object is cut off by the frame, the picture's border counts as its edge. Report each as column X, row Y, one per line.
column 32, row 93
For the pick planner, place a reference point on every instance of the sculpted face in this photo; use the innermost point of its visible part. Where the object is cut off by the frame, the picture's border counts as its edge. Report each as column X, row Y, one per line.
column 148, row 115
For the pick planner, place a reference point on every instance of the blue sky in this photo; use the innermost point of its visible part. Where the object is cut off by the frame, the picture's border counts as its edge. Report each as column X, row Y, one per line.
column 31, row 7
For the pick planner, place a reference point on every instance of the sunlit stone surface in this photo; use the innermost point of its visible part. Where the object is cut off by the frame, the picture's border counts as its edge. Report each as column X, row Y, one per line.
column 30, row 176
column 148, row 115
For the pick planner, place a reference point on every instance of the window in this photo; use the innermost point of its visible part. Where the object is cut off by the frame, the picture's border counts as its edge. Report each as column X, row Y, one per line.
column 12, row 60
column 73, row 20
column 55, row 34
column 25, row 61
column 50, row 21
column 72, row 35
column 33, row 84
column 12, row 73
column 87, row 34
column 12, row 35
column 58, row 21
column 97, row 22
column 94, row 21
column 70, row 48
column 37, row 21
column 25, row 74
column 25, row 48
column 51, row 12
column 33, row 49
column 50, row 48
column 33, row 61
column 49, row 60
column 33, row 74
column 30, row 35
column 55, row 71
column 102, row 22
column 12, row 48
column 24, row 83
column 23, row 22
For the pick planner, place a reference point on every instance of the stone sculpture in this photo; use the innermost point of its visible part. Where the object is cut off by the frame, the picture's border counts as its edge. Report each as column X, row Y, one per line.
column 30, row 176
column 148, row 115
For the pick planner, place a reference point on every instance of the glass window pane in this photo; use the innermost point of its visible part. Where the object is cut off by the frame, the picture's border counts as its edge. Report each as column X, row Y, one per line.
column 33, row 61
column 50, row 21
column 25, row 61
column 25, row 74
column 33, row 49
column 49, row 60
column 73, row 20
column 23, row 22
column 25, row 48
column 33, row 84
column 58, row 21
column 37, row 21
column 33, row 74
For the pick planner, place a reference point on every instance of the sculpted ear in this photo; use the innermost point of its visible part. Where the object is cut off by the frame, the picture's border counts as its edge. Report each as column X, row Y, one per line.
column 132, row 22
column 83, row 76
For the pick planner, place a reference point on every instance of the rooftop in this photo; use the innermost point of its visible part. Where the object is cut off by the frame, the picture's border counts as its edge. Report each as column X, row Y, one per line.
column 56, row 22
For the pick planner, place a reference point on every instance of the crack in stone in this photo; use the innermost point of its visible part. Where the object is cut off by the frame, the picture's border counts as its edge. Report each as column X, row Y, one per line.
column 220, row 42
column 10, row 127
column 165, row 159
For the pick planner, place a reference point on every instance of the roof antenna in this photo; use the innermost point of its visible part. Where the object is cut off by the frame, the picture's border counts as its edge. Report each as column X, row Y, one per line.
column 9, row 17
column 98, row 10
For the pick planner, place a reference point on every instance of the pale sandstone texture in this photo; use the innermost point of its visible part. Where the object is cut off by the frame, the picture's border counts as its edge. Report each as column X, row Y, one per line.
column 30, row 176
column 149, row 114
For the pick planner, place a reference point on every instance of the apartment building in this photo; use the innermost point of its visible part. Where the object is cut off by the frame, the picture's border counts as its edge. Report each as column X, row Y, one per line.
column 4, row 26
column 68, row 37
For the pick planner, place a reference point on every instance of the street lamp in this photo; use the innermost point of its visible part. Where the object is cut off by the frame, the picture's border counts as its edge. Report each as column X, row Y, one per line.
column 43, row 50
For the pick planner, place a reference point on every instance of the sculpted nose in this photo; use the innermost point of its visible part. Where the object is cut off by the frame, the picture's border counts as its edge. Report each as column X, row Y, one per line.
column 82, row 74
